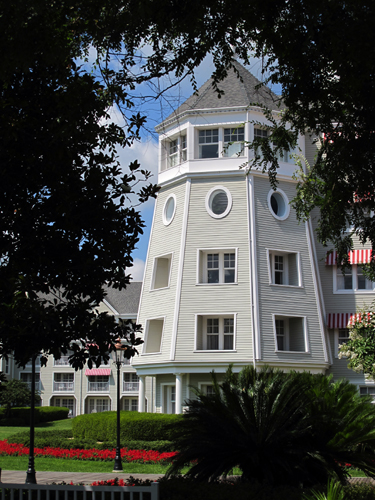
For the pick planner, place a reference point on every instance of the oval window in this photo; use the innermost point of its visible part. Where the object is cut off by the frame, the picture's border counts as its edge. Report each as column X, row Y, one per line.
column 278, row 204
column 169, row 210
column 218, row 202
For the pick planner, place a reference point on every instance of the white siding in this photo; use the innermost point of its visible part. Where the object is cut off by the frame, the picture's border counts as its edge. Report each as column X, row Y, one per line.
column 289, row 236
column 164, row 240
column 229, row 232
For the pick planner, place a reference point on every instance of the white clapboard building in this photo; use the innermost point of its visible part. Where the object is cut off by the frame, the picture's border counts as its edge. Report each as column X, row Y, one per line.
column 231, row 276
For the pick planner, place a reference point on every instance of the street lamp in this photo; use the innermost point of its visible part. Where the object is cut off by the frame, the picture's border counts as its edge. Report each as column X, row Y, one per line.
column 119, row 352
column 30, row 474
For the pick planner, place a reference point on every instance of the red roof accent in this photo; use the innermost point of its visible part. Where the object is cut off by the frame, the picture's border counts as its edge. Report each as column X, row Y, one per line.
column 98, row 371
column 355, row 257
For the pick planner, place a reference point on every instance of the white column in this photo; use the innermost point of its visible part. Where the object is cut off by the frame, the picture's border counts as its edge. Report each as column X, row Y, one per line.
column 141, row 396
column 179, row 392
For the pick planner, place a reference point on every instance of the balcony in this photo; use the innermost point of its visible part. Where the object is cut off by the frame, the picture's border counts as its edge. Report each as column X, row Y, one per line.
column 98, row 387
column 63, row 361
column 63, row 386
column 130, row 386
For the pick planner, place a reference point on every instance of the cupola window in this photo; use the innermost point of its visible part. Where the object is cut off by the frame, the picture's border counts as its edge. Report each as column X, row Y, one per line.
column 209, row 143
column 234, row 141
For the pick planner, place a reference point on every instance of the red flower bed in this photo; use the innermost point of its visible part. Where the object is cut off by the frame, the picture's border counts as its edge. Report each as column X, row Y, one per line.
column 142, row 456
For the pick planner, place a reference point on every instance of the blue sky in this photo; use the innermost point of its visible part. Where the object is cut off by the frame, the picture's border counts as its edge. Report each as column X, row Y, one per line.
column 146, row 150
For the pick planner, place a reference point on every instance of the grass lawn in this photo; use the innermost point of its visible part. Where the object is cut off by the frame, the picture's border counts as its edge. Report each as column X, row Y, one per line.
column 63, row 465
column 48, row 426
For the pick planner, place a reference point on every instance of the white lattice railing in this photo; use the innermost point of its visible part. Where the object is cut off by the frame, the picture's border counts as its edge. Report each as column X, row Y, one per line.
column 11, row 491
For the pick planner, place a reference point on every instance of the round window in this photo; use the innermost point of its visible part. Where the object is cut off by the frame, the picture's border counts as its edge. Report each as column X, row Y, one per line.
column 278, row 204
column 218, row 202
column 169, row 209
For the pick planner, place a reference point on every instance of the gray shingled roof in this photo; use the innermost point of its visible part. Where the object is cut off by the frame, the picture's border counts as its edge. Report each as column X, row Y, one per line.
column 238, row 92
column 125, row 301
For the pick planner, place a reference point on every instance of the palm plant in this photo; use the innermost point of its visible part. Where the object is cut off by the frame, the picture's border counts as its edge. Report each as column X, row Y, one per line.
column 278, row 428
column 335, row 491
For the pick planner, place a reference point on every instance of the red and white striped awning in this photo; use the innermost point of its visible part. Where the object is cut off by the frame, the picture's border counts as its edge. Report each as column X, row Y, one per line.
column 98, row 371
column 355, row 257
column 339, row 320
column 344, row 320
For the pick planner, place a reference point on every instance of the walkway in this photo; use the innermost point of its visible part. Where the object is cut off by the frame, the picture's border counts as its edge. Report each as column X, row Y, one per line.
column 18, row 477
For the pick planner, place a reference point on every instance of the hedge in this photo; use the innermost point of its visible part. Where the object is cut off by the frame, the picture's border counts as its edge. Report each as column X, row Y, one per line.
column 134, row 426
column 21, row 416
column 63, row 439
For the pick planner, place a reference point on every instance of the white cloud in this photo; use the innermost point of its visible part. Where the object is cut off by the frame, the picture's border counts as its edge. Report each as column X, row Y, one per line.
column 137, row 270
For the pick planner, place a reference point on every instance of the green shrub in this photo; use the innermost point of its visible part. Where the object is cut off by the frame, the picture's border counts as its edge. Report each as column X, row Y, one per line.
column 359, row 492
column 63, row 439
column 21, row 416
column 56, row 439
column 52, row 413
column 134, row 426
column 13, row 422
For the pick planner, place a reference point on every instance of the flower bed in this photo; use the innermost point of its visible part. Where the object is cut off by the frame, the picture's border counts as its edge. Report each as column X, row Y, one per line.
column 142, row 456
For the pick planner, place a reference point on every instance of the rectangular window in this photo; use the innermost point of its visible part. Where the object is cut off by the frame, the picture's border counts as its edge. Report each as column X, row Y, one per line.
column 343, row 335
column 153, row 337
column 280, row 334
column 183, row 148
column 65, row 403
column 176, row 152
column 290, row 334
column 260, row 134
column 284, row 268
column 161, row 272
column 98, row 383
column 215, row 333
column 363, row 283
column 130, row 404
column 26, row 377
column 217, row 266
column 367, row 391
column 173, row 153
column 99, row 405
column 63, row 382
column 212, row 333
column 131, row 382
column 344, row 279
column 234, row 141
column 352, row 279
column 209, row 143
column 286, row 156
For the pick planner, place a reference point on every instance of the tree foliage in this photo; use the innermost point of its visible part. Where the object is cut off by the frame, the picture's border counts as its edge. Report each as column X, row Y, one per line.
column 359, row 350
column 278, row 428
column 323, row 56
column 15, row 393
column 68, row 227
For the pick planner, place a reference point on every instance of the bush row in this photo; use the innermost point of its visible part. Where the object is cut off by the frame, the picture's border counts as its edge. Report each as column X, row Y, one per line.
column 134, row 426
column 21, row 416
column 63, row 439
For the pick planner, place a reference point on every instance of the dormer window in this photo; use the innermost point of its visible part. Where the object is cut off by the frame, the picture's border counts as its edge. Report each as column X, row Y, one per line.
column 209, row 143
column 234, row 141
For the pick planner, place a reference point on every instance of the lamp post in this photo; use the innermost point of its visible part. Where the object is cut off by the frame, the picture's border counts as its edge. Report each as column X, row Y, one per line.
column 119, row 350
column 30, row 474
